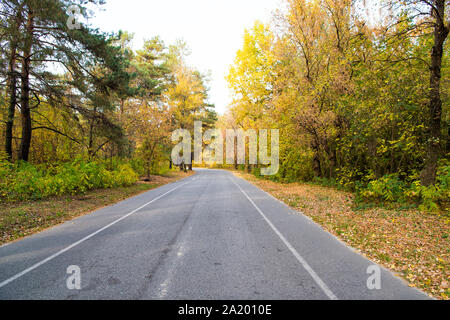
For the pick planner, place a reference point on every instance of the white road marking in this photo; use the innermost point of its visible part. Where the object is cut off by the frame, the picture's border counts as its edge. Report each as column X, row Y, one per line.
column 24, row 272
column 300, row 259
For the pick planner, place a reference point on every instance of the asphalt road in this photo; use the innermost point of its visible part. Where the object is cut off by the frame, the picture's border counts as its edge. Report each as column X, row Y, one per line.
column 209, row 236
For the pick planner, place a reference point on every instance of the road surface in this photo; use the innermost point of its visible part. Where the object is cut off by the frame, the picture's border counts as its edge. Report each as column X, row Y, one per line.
column 209, row 236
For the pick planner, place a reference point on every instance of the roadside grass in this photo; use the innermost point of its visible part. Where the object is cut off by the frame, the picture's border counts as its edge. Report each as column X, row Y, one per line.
column 19, row 219
column 413, row 244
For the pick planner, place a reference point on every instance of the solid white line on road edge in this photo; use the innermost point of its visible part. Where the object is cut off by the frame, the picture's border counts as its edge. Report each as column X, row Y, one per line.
column 300, row 259
column 24, row 272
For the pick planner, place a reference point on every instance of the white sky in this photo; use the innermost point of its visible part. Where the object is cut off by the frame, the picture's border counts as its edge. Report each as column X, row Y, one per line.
column 213, row 30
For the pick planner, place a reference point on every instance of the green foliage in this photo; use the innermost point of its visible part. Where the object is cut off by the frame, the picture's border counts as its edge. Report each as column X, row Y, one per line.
column 295, row 165
column 353, row 105
column 24, row 181
column 434, row 196
column 392, row 189
column 138, row 165
column 388, row 188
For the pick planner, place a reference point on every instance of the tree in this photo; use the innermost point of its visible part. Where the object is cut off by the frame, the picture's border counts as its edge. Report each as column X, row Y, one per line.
column 46, row 39
column 149, row 125
column 252, row 78
column 145, row 116
column 187, row 94
column 353, row 95
column 13, row 14
column 428, row 16
column 315, row 73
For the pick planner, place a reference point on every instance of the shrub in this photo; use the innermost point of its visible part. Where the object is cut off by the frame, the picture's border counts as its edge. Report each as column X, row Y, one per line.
column 388, row 188
column 24, row 181
column 391, row 188
column 295, row 165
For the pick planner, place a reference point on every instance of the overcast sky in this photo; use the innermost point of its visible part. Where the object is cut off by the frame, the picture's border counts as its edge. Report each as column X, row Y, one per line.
column 213, row 30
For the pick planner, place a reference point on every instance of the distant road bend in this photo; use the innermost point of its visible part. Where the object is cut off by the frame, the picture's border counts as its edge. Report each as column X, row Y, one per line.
column 209, row 236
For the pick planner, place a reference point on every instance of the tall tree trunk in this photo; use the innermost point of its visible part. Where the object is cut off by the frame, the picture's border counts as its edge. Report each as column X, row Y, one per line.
column 25, row 94
column 150, row 158
column 428, row 174
column 12, row 87
column 91, row 136
column 235, row 153
column 192, row 160
column 12, row 83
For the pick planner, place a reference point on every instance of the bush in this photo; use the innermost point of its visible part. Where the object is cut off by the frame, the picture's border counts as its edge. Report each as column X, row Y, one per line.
column 432, row 197
column 391, row 188
column 388, row 188
column 295, row 165
column 24, row 181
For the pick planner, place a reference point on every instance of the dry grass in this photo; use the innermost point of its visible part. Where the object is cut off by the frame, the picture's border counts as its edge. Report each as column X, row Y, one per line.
column 411, row 243
column 20, row 219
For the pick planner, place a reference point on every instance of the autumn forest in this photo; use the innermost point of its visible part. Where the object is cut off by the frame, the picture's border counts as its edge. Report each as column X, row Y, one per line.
column 362, row 105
